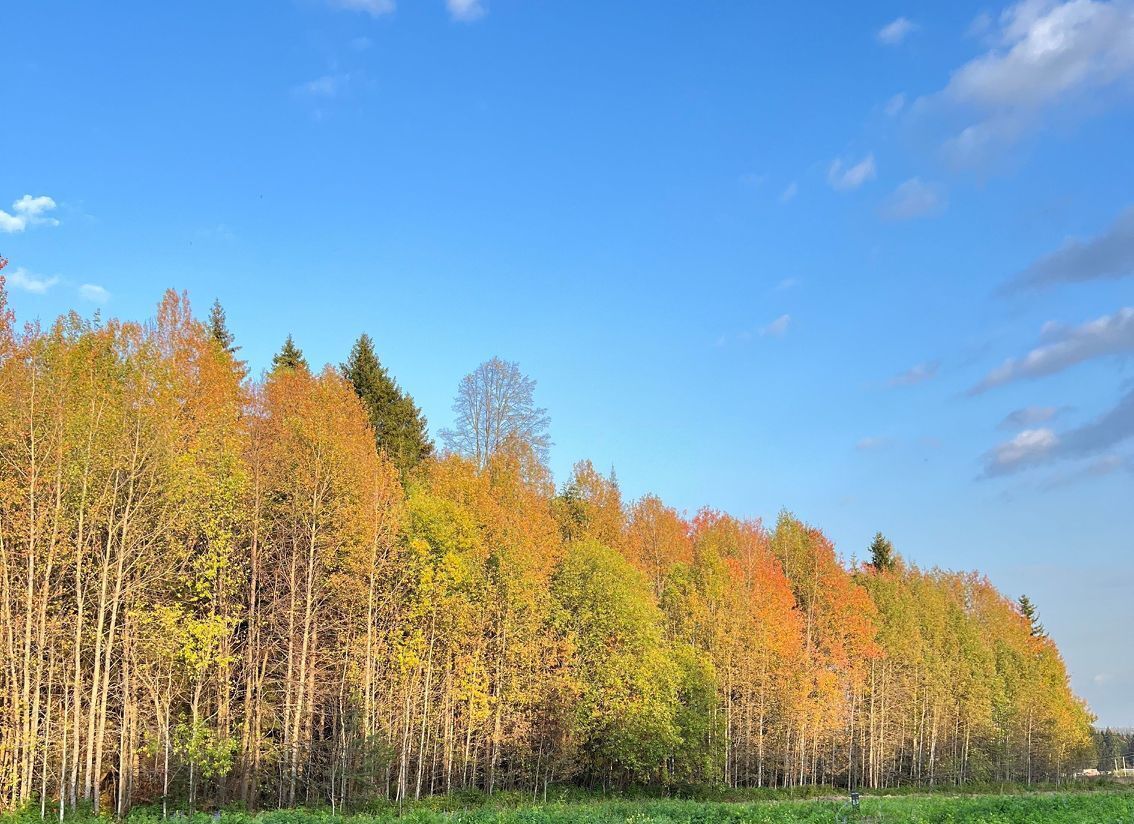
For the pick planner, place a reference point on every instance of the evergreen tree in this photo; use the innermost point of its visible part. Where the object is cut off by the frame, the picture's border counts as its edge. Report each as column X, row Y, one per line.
column 289, row 357
column 882, row 554
column 1029, row 611
column 399, row 426
column 218, row 329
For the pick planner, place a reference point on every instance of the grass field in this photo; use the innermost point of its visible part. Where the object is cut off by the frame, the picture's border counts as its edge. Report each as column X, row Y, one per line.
column 1098, row 807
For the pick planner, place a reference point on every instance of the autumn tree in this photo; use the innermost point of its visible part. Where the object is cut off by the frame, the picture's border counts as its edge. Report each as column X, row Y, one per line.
column 495, row 404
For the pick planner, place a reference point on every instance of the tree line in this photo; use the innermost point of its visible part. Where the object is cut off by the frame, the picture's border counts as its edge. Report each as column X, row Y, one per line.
column 276, row 592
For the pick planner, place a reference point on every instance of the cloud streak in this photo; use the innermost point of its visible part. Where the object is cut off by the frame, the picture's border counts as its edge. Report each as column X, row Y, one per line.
column 920, row 373
column 1108, row 335
column 913, row 199
column 466, row 11
column 777, row 328
column 1029, row 416
column 1044, row 54
column 1035, row 447
column 896, row 31
column 844, row 177
column 26, row 281
column 1106, row 256
column 375, row 8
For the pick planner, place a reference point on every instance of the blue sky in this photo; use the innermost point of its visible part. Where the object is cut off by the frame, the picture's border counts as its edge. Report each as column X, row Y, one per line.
column 870, row 262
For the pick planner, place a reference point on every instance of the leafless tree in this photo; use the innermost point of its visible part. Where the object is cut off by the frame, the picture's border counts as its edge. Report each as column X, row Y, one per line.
column 495, row 405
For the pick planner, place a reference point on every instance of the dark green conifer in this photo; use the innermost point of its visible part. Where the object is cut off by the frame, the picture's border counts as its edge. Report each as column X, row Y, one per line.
column 289, row 357
column 399, row 427
column 882, row 554
column 218, row 328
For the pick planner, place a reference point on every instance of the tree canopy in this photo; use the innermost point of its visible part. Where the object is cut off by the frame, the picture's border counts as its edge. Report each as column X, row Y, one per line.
column 495, row 405
column 400, row 429
column 216, row 590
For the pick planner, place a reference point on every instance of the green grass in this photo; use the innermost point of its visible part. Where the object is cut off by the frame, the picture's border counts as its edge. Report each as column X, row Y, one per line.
column 1115, row 806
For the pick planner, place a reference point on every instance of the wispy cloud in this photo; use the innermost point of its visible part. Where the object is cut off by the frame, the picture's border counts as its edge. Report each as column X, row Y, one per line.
column 870, row 443
column 1028, row 447
column 789, row 192
column 1108, row 255
column 1044, row 54
column 28, row 211
column 1034, row 447
column 896, row 31
column 913, row 199
column 94, row 293
column 895, row 105
column 325, row 87
column 1108, row 335
column 845, row 177
column 787, row 283
column 466, row 10
column 375, row 8
column 26, row 281
column 777, row 328
column 1100, row 467
column 1030, row 416
column 919, row 373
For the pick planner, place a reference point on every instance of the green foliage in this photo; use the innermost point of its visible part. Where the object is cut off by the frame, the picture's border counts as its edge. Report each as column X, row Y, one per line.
column 698, row 757
column 882, row 556
column 1029, row 611
column 219, row 331
column 779, row 807
column 399, row 427
column 200, row 744
column 289, row 357
column 625, row 682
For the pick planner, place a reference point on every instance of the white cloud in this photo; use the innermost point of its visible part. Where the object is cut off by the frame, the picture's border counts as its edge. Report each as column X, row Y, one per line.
column 375, row 8
column 94, row 293
column 28, row 211
column 1108, row 255
column 896, row 31
column 1045, row 53
column 1029, row 447
column 466, row 10
column 843, row 177
column 790, row 192
column 895, row 104
column 912, row 199
column 916, row 374
column 22, row 279
column 1037, row 446
column 777, row 328
column 1108, row 335
column 787, row 283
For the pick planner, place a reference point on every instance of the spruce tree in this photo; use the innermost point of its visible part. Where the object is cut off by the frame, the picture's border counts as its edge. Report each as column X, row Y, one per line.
column 218, row 328
column 399, row 427
column 1029, row 611
column 289, row 357
column 882, row 554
